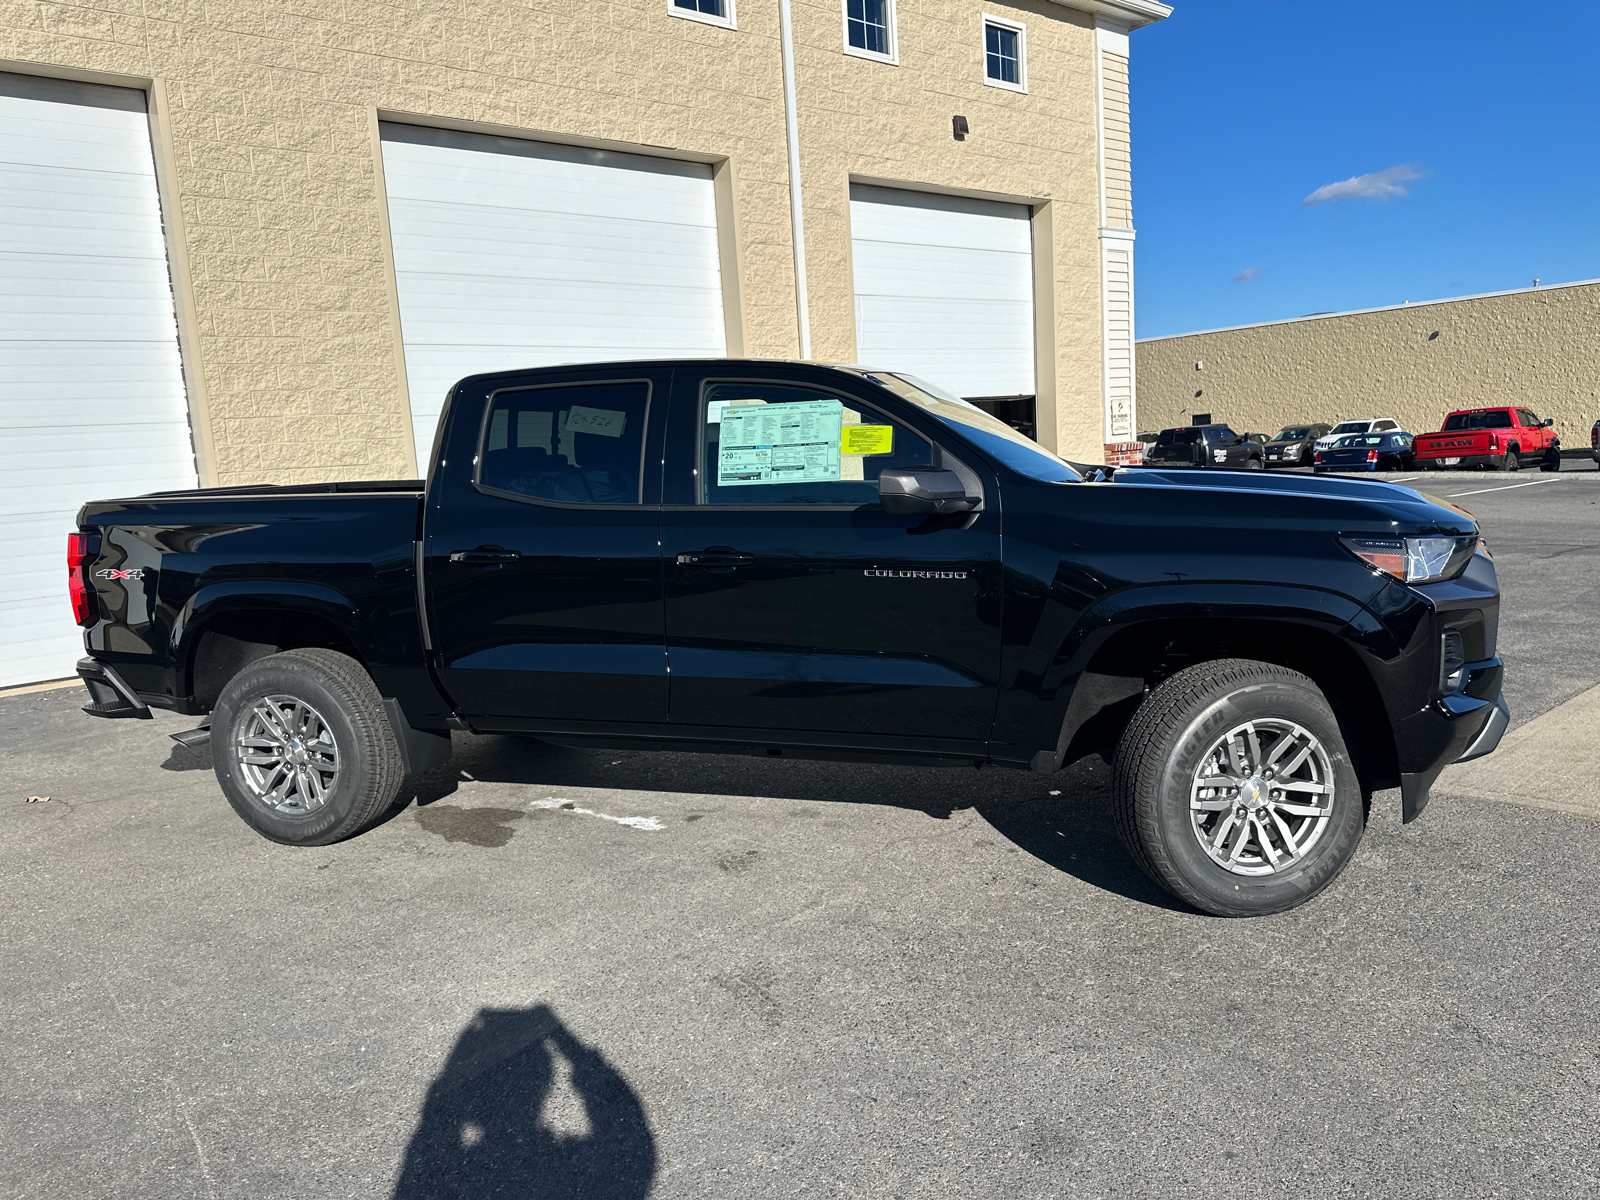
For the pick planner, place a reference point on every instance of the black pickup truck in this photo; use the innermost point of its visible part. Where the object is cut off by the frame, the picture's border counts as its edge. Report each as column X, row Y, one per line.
column 797, row 560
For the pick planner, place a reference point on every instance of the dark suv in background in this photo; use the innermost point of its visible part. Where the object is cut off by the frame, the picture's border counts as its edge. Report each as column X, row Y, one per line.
column 1293, row 445
column 1205, row 446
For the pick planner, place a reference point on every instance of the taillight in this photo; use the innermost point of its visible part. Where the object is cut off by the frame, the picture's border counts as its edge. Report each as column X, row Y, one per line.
column 77, row 585
column 1318, row 457
column 1594, row 436
column 1494, row 443
column 1372, row 456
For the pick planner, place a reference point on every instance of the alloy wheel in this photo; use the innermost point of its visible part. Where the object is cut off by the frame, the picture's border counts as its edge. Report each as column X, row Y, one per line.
column 1262, row 797
column 287, row 755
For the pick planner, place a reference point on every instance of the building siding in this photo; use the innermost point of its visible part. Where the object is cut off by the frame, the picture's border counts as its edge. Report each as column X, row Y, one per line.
column 1118, row 140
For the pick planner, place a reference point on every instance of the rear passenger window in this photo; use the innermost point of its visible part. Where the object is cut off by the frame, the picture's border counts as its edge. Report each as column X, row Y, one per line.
column 779, row 444
column 576, row 443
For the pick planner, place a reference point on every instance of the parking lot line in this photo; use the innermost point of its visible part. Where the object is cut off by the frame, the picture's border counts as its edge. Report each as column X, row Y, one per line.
column 1507, row 488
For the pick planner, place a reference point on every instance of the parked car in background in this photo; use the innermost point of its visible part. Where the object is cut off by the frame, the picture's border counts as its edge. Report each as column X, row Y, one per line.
column 1204, row 446
column 1293, row 445
column 1364, row 425
column 1594, row 441
column 1501, row 438
column 1148, row 439
column 1368, row 452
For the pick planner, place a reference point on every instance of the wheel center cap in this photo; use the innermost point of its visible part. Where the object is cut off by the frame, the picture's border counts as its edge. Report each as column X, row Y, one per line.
column 1250, row 795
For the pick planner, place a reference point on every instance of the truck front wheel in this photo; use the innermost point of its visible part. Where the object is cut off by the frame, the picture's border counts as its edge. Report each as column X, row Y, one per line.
column 1234, row 791
column 303, row 747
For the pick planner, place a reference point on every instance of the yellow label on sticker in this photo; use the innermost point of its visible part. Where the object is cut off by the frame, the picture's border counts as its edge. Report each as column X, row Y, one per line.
column 866, row 439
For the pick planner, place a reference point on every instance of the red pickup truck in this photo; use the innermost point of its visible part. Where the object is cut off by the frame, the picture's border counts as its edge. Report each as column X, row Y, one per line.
column 1502, row 438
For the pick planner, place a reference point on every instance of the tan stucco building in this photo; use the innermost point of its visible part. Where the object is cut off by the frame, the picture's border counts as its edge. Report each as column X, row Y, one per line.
column 1538, row 347
column 268, row 122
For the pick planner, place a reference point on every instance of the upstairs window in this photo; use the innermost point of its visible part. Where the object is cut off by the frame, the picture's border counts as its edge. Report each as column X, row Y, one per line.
column 869, row 29
column 712, row 12
column 1005, row 45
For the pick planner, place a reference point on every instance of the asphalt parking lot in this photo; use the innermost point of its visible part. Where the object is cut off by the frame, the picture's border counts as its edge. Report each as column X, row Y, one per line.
column 565, row 973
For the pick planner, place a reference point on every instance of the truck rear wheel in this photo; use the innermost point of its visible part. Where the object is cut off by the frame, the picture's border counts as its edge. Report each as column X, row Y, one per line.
column 303, row 748
column 1234, row 791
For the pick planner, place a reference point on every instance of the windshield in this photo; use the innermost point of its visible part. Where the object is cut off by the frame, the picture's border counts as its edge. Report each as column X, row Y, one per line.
column 1499, row 419
column 1295, row 433
column 1352, row 427
column 988, row 433
column 1178, row 437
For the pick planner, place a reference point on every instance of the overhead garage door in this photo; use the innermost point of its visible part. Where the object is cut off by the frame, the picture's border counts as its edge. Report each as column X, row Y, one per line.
column 512, row 253
column 91, row 388
column 944, row 289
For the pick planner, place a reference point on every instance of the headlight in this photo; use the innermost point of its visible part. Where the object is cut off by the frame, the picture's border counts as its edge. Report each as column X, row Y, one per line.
column 1291, row 451
column 1415, row 559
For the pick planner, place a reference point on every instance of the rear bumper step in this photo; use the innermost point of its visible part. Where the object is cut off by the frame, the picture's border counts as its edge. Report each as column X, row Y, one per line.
column 109, row 693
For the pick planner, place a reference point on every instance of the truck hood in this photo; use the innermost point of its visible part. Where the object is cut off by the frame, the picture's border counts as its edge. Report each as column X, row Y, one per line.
column 1367, row 499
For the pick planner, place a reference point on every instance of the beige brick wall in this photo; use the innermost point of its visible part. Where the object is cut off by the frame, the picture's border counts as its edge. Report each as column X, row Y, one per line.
column 1536, row 348
column 267, row 112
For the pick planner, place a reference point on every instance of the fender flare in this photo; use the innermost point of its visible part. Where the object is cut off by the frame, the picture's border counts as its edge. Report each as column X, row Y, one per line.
column 272, row 595
column 1080, row 694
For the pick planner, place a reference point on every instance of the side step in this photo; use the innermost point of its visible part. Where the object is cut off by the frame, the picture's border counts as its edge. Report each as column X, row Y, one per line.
column 194, row 737
column 109, row 693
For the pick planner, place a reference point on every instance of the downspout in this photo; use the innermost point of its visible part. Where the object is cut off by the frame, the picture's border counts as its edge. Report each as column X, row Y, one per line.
column 791, row 122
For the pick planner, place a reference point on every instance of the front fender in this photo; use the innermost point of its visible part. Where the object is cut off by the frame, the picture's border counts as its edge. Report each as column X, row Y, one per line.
column 1063, row 679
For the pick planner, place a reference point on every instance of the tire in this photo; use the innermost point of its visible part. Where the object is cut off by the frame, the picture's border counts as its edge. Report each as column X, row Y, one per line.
column 326, row 796
column 1513, row 461
column 1552, row 461
column 1175, row 735
column 1254, row 464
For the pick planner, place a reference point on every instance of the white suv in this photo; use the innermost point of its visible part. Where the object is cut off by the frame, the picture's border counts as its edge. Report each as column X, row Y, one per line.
column 1369, row 425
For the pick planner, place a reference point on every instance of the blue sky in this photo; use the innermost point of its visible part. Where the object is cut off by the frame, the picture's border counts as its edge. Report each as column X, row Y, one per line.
column 1487, row 122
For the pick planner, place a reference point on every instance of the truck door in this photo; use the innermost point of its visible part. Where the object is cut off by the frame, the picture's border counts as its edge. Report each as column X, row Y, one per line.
column 542, row 561
column 793, row 601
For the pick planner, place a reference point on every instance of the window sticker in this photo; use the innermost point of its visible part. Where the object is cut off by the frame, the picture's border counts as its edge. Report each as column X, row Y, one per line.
column 607, row 422
column 866, row 439
column 779, row 443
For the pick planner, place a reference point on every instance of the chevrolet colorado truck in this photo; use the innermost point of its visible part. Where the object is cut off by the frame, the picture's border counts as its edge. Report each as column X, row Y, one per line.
column 791, row 560
column 1500, row 438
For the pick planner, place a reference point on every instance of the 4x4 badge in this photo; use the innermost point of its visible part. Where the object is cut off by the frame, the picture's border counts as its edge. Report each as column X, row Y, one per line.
column 114, row 573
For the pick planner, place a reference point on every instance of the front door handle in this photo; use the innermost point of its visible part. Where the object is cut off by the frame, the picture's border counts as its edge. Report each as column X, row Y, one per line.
column 484, row 556
column 716, row 558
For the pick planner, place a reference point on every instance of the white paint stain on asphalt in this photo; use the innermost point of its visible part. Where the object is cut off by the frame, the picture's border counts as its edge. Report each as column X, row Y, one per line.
column 650, row 824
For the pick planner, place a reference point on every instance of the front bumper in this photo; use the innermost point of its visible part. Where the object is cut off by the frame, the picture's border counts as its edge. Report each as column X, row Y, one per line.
column 1454, row 729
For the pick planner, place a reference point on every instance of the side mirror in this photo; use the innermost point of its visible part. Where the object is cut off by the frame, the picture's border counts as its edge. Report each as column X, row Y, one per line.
column 1549, row 421
column 925, row 493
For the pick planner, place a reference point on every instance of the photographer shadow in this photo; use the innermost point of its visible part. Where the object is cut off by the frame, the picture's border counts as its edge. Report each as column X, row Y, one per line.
column 487, row 1129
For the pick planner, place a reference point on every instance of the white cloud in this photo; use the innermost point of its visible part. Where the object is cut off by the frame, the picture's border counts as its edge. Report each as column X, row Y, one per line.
column 1380, row 185
column 1246, row 275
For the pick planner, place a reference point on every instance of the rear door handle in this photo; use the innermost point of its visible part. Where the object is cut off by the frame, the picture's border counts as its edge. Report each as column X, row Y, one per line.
column 484, row 557
column 716, row 558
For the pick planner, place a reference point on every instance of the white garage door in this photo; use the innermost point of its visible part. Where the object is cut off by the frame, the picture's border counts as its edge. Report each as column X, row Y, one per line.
column 944, row 289
column 511, row 253
column 92, row 404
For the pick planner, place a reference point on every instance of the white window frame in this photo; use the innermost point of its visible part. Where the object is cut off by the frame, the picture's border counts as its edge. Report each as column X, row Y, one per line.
column 893, row 57
column 1021, row 31
column 687, row 14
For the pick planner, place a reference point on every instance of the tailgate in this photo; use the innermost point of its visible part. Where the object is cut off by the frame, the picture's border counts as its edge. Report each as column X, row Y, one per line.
column 1450, row 445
